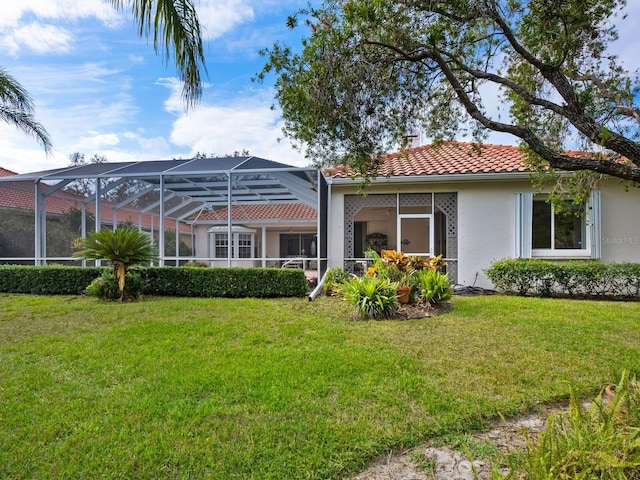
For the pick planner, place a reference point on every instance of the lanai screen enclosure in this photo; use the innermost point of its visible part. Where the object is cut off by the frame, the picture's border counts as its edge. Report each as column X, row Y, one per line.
column 41, row 213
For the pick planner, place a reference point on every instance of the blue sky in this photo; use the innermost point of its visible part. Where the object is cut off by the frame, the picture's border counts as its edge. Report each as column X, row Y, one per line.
column 99, row 89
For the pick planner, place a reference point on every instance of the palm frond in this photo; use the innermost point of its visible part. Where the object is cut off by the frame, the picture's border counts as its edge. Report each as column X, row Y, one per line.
column 176, row 33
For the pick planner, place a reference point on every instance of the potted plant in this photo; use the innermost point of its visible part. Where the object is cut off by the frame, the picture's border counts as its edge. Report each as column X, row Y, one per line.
column 394, row 266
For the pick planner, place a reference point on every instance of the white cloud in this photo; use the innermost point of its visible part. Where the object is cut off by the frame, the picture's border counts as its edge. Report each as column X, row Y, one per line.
column 244, row 123
column 153, row 147
column 69, row 10
column 97, row 142
column 218, row 17
column 41, row 38
column 173, row 104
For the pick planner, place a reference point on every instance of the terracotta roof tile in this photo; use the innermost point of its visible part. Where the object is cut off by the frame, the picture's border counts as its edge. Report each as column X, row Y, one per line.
column 446, row 159
column 275, row 211
column 20, row 195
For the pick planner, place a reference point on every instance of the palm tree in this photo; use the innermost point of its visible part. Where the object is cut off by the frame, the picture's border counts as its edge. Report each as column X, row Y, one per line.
column 122, row 247
column 16, row 107
column 176, row 27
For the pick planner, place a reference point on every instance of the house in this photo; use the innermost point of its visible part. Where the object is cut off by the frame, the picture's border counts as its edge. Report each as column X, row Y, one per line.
column 474, row 208
column 265, row 234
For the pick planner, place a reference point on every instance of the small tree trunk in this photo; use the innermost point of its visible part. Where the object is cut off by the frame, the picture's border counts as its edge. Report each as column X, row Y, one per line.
column 121, row 276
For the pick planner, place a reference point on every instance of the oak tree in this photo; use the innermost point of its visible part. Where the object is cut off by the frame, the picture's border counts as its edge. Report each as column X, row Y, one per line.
column 369, row 71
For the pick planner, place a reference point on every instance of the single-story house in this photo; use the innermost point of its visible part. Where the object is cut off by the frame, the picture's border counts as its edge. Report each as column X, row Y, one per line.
column 471, row 206
column 244, row 211
column 474, row 208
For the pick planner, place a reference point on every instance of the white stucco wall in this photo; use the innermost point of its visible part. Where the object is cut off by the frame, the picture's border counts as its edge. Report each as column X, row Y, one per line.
column 486, row 222
column 486, row 226
column 620, row 215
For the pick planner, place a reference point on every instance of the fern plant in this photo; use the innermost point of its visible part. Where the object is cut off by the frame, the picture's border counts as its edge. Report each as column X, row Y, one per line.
column 372, row 297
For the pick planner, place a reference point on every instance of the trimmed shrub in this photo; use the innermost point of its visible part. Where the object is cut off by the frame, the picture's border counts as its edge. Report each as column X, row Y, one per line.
column 174, row 281
column 223, row 282
column 106, row 287
column 547, row 278
column 47, row 280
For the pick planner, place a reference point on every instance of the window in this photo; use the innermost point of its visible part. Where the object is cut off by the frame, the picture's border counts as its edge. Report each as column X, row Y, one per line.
column 558, row 227
column 221, row 242
column 242, row 242
column 560, row 231
column 245, row 245
column 297, row 244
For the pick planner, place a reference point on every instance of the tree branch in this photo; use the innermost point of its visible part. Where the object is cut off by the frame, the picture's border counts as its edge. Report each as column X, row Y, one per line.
column 555, row 159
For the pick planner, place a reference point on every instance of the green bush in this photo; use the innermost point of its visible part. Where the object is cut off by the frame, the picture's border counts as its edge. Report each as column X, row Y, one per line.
column 372, row 297
column 434, row 286
column 223, row 282
column 106, row 287
column 333, row 279
column 46, row 280
column 173, row 281
column 573, row 278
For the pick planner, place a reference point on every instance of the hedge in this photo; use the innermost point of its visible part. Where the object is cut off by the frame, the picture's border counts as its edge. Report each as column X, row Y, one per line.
column 224, row 282
column 46, row 280
column 547, row 278
column 173, row 281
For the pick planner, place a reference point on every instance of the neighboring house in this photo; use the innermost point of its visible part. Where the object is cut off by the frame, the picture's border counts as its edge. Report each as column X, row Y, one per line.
column 17, row 206
column 262, row 234
column 474, row 208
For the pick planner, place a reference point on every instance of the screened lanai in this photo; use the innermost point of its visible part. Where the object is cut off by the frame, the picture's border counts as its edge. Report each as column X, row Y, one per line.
column 228, row 211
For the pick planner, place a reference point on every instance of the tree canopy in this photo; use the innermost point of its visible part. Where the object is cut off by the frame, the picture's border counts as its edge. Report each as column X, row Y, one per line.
column 370, row 71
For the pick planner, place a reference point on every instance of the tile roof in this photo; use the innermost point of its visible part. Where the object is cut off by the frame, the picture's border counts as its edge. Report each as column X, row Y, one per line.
column 272, row 211
column 446, row 159
column 20, row 195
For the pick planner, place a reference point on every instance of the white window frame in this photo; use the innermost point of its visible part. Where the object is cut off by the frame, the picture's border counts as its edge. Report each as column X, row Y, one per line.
column 524, row 225
column 215, row 232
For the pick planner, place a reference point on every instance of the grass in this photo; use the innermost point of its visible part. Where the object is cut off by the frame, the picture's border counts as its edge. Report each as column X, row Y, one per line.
column 271, row 389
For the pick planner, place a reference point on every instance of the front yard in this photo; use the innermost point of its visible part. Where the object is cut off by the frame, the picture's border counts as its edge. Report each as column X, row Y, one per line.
column 246, row 388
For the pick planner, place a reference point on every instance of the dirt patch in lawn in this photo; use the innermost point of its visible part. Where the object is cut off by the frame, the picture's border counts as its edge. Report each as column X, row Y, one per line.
column 428, row 462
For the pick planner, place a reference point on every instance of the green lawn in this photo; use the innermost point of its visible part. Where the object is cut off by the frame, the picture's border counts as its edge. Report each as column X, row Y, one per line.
column 222, row 388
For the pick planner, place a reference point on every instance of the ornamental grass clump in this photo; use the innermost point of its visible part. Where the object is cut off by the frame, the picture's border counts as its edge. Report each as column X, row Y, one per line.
column 598, row 441
column 434, row 286
column 372, row 297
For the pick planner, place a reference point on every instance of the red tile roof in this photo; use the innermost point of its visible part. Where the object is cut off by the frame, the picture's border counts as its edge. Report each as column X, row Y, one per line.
column 20, row 195
column 446, row 159
column 275, row 211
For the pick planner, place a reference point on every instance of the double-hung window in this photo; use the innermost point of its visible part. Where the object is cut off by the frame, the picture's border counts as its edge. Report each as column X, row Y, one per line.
column 242, row 242
column 564, row 230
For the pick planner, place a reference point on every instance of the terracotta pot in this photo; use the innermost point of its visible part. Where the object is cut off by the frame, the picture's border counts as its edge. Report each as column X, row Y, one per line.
column 403, row 294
